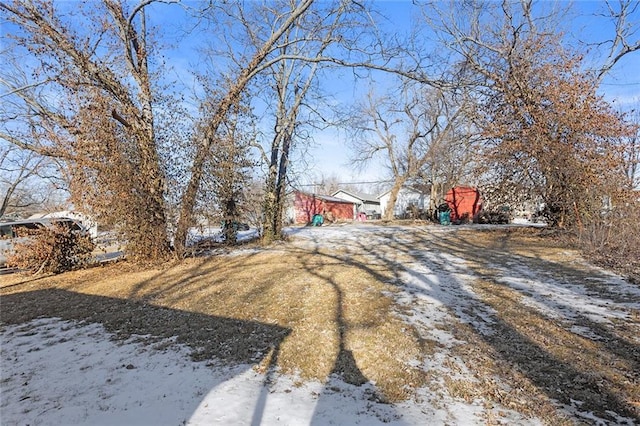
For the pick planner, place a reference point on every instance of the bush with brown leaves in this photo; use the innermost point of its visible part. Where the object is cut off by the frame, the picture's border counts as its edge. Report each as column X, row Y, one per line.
column 52, row 249
column 613, row 241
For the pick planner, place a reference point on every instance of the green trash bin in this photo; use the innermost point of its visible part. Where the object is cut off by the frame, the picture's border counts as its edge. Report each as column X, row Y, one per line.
column 318, row 220
column 445, row 218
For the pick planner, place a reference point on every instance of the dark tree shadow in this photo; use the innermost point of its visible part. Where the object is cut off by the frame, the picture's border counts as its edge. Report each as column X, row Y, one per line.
column 221, row 340
column 226, row 339
column 235, row 341
column 345, row 367
column 562, row 381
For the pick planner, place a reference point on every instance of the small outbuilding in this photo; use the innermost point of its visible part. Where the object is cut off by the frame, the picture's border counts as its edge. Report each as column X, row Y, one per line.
column 465, row 203
column 364, row 203
column 308, row 205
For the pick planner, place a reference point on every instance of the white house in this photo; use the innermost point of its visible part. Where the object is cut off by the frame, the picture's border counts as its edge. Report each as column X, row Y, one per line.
column 362, row 203
column 408, row 196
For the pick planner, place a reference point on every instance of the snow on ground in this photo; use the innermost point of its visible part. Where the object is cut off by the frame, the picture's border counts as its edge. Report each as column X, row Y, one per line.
column 55, row 372
column 215, row 234
column 559, row 298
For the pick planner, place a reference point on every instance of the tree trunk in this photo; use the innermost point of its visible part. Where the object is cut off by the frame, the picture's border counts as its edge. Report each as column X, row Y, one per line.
column 189, row 202
column 275, row 196
column 393, row 197
column 232, row 97
column 270, row 197
column 230, row 228
column 281, row 185
column 7, row 197
column 153, row 181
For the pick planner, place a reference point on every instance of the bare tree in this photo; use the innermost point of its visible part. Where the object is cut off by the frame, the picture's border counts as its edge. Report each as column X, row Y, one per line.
column 408, row 130
column 625, row 17
column 245, row 72
column 293, row 80
column 327, row 185
column 89, row 95
column 631, row 145
column 342, row 33
column 92, row 104
column 547, row 132
column 19, row 172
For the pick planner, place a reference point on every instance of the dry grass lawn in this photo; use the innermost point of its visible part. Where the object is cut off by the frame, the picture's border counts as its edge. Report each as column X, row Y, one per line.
column 314, row 312
column 331, row 314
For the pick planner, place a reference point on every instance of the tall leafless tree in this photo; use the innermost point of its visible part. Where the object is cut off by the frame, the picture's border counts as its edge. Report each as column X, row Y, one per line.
column 293, row 79
column 93, row 105
column 625, row 17
column 19, row 173
column 296, row 34
column 410, row 131
column 253, row 64
column 631, row 144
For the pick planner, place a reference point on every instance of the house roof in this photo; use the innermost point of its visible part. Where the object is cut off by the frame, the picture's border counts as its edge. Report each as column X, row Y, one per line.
column 333, row 199
column 368, row 198
column 326, row 198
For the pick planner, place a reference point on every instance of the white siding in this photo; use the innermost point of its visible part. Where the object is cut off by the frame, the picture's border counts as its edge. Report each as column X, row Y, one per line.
column 406, row 197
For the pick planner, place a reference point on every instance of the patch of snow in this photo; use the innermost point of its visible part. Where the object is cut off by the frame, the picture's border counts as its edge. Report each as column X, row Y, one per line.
column 60, row 372
column 585, row 332
column 57, row 372
column 215, row 234
column 568, row 299
column 575, row 410
column 444, row 280
column 524, row 221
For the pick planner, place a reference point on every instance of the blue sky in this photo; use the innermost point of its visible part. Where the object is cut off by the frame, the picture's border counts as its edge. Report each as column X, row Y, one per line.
column 621, row 86
column 330, row 156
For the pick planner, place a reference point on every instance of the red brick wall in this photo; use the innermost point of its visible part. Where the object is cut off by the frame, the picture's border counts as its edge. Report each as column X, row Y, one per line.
column 341, row 211
column 307, row 205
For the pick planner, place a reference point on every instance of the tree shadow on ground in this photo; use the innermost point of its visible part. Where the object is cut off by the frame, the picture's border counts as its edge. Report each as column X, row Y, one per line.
column 521, row 342
column 219, row 340
column 229, row 340
column 562, row 380
column 345, row 371
column 517, row 346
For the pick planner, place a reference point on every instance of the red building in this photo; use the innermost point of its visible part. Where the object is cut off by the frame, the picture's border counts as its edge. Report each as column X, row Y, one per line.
column 308, row 205
column 465, row 202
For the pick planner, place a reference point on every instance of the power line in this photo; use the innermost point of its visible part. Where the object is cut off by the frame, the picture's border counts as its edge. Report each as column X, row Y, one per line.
column 621, row 84
column 347, row 183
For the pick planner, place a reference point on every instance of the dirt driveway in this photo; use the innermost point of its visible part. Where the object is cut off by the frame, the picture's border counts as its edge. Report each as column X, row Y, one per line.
column 501, row 321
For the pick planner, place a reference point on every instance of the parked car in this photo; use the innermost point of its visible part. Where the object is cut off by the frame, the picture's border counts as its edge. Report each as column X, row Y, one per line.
column 238, row 226
column 20, row 231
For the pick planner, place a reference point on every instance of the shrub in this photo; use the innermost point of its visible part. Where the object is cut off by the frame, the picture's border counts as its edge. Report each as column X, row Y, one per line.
column 612, row 240
column 499, row 216
column 52, row 249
